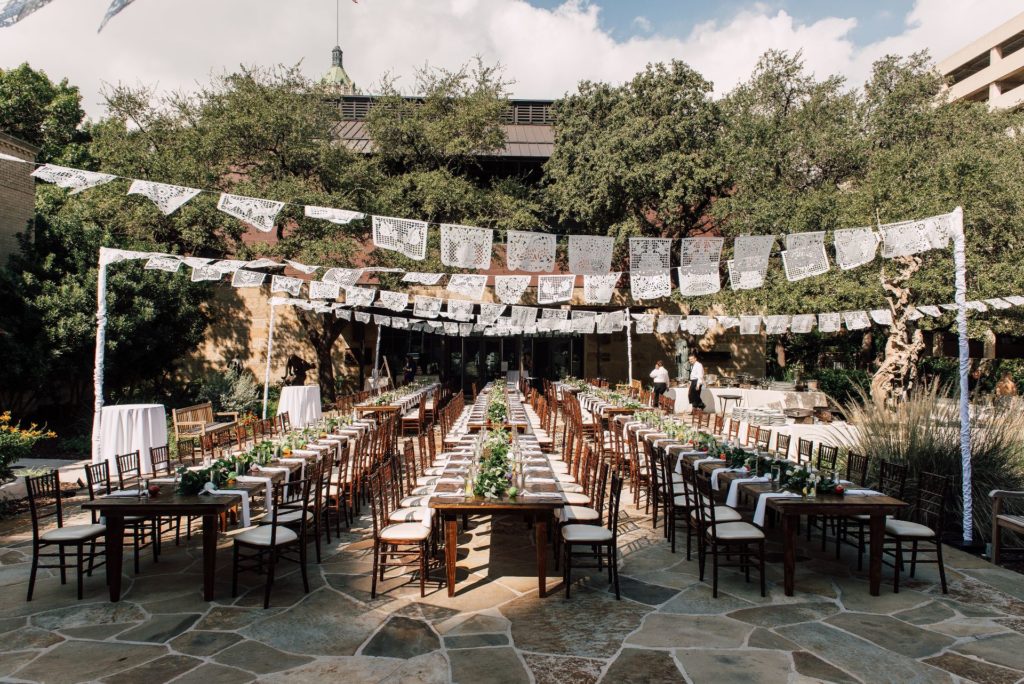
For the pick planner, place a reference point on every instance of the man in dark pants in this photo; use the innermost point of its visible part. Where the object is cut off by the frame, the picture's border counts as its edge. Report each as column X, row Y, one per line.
column 659, row 376
column 696, row 382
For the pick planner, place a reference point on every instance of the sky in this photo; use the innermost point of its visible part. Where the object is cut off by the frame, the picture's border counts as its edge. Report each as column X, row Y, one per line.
column 545, row 46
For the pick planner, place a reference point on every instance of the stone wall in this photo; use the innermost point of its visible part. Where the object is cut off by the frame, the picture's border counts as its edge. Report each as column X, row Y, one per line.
column 17, row 193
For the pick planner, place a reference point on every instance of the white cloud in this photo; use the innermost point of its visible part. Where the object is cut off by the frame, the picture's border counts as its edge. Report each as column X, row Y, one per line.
column 643, row 24
column 546, row 52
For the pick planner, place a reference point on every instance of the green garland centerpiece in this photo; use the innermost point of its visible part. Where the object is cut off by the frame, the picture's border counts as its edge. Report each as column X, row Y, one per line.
column 495, row 473
column 807, row 481
column 223, row 471
column 497, row 405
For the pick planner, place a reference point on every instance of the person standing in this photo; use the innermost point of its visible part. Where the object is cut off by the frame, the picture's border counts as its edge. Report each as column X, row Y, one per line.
column 409, row 371
column 696, row 382
column 659, row 376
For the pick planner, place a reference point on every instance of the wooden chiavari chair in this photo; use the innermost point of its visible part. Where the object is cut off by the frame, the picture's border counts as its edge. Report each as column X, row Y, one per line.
column 924, row 528
column 764, row 439
column 804, row 449
column 160, row 458
column 782, row 446
column 734, row 431
column 598, row 539
column 142, row 530
column 394, row 544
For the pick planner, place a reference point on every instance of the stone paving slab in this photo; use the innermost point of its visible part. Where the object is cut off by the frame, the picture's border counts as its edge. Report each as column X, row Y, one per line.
column 666, row 628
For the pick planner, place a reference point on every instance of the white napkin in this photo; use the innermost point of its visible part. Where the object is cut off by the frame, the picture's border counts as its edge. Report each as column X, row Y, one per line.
column 696, row 464
column 300, row 461
column 451, row 480
column 862, row 492
column 241, row 492
column 268, row 484
column 762, row 502
column 126, row 493
column 716, row 471
column 540, row 480
column 733, row 497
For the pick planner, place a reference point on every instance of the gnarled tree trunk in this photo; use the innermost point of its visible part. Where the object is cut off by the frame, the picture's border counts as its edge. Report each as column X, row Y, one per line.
column 897, row 373
column 323, row 330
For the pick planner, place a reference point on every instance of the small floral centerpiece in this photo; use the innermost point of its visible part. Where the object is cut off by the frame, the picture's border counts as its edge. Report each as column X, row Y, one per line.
column 808, row 481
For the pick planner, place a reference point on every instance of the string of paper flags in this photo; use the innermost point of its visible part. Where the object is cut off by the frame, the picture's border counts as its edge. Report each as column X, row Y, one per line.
column 482, row 317
column 14, row 11
column 590, row 256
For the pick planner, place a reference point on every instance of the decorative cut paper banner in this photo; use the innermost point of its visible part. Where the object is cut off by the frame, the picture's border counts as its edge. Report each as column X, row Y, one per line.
column 948, row 307
column 599, row 289
column 802, row 323
column 167, row 198
column 776, row 325
column 881, row 316
column 930, row 309
column 400, row 323
column 696, row 325
column 338, row 216
column 468, row 285
column 553, row 314
column 451, row 329
column 668, row 324
column 644, row 323
column 510, row 289
column 533, row 252
column 750, row 325
column 229, row 265
column 360, row 296
column 261, row 263
column 346, row 277
column 552, row 289
column 997, row 303
column 855, row 247
column 489, row 312
column 524, row 315
column 650, row 285
column 914, row 314
column 200, row 273
column 856, row 320
column 362, row 317
column 404, row 236
column 610, row 322
column 113, row 10
column 292, row 286
column 728, row 322
column 319, row 289
column 256, row 212
column 828, row 322
column 195, row 262
column 302, row 268
column 1016, row 300
column 16, row 10
column 381, row 319
column 749, row 265
column 243, row 278
column 74, row 180
column 163, row 263
column 422, row 278
column 701, row 259
column 913, row 237
column 650, row 256
column 590, row 254
column 466, row 246
column 426, row 307
column 805, row 256
column 465, row 329
column 395, row 301
column 459, row 310
column 975, row 305
column 343, row 314
column 584, row 325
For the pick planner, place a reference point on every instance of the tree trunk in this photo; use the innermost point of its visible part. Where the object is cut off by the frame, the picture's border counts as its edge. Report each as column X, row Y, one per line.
column 323, row 331
column 897, row 373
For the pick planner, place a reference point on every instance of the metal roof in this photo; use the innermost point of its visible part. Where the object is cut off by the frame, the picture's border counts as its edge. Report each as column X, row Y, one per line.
column 532, row 141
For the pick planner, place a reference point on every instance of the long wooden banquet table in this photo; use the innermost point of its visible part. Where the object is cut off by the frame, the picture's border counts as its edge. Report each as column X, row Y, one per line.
column 210, row 507
column 790, row 508
column 538, row 503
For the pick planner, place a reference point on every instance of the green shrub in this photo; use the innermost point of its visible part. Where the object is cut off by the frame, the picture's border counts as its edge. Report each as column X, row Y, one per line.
column 16, row 442
column 842, row 385
column 234, row 389
column 923, row 432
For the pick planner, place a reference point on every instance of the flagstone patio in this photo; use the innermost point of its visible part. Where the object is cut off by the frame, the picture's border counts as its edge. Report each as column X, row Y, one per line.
column 666, row 628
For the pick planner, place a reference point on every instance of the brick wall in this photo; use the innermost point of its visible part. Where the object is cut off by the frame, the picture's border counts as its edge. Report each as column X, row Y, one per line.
column 17, row 193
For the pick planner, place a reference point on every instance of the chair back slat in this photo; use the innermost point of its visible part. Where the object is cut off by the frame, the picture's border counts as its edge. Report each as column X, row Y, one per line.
column 160, row 458
column 804, row 450
column 857, row 468
column 764, row 439
column 128, row 469
column 930, row 507
column 827, row 456
column 44, row 500
column 892, row 479
column 782, row 445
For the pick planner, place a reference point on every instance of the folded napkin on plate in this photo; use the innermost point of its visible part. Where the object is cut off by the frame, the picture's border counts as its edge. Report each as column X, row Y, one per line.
column 540, row 480
column 450, row 495
column 862, row 492
column 733, row 497
column 762, row 502
column 125, row 493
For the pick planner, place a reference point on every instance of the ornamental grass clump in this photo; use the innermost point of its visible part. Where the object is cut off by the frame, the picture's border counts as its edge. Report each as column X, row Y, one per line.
column 923, row 433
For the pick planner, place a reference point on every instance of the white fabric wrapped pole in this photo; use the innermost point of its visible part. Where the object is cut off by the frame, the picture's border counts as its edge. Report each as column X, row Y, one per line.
column 629, row 344
column 270, row 349
column 101, row 343
column 376, row 360
column 960, row 267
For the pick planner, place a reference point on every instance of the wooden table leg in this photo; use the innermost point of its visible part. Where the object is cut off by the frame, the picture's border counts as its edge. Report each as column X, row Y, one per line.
column 210, row 530
column 875, row 555
column 541, row 525
column 451, row 541
column 789, row 523
column 114, row 552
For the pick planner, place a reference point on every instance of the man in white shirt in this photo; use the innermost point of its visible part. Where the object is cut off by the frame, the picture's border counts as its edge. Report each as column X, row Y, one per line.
column 696, row 382
column 660, row 378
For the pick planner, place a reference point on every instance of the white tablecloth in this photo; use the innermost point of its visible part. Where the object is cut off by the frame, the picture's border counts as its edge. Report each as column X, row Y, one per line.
column 302, row 403
column 132, row 427
column 750, row 398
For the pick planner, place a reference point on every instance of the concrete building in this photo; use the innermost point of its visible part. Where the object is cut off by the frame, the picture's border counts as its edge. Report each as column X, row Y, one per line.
column 17, row 193
column 991, row 68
